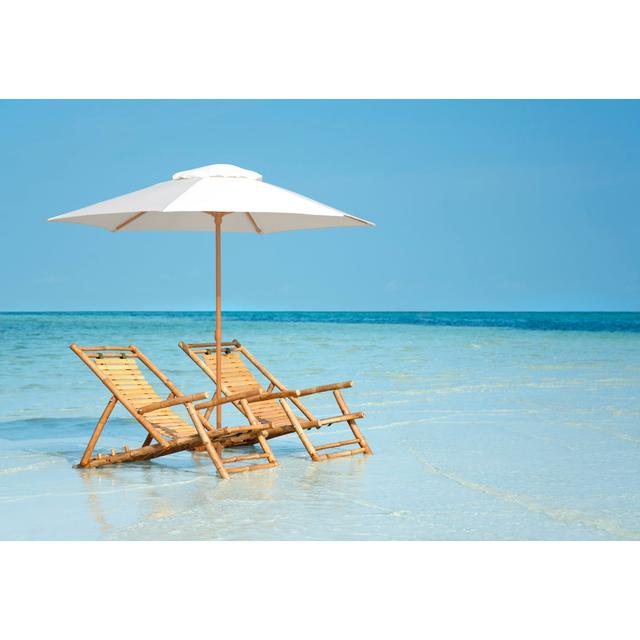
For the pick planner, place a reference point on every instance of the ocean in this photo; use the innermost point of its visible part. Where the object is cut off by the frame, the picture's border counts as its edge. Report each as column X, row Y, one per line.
column 484, row 426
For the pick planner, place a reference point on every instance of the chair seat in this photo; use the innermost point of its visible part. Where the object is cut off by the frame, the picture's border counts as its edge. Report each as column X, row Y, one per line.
column 171, row 426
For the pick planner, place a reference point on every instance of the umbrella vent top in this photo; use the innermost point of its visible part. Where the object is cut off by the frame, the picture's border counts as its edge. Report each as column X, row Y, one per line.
column 217, row 171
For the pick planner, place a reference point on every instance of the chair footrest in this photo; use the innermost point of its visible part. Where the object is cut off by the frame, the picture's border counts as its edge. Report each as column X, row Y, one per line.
column 249, row 456
column 332, row 445
column 252, row 467
column 342, row 454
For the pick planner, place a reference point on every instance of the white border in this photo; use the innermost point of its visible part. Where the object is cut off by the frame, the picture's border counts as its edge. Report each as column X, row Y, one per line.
column 319, row 590
column 329, row 48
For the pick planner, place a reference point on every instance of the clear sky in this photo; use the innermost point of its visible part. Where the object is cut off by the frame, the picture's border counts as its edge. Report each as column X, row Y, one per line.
column 503, row 205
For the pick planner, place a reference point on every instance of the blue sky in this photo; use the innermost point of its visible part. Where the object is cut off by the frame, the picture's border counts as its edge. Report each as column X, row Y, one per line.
column 480, row 205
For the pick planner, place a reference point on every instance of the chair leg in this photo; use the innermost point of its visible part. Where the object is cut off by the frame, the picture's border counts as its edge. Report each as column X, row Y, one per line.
column 359, row 439
column 266, row 454
column 97, row 431
column 213, row 454
column 355, row 429
column 267, row 449
column 308, row 445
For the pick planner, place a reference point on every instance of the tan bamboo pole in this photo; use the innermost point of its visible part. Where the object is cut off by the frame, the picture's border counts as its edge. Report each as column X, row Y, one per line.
column 107, row 348
column 251, row 456
column 261, row 439
column 171, row 402
column 333, row 419
column 344, row 454
column 325, row 387
column 98, row 430
column 218, row 220
column 146, row 452
column 246, row 395
column 266, row 448
column 300, row 431
column 334, row 445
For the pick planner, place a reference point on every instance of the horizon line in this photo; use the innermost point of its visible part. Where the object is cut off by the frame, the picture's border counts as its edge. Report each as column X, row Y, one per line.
column 212, row 311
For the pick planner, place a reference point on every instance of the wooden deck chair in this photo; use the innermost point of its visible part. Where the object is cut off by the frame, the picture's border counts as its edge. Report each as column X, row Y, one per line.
column 271, row 408
column 118, row 369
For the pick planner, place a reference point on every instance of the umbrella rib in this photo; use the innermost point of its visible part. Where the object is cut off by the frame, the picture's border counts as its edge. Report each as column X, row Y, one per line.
column 360, row 220
column 134, row 217
column 253, row 222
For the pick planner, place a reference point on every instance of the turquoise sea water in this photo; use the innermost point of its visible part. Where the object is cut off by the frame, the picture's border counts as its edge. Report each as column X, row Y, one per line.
column 483, row 425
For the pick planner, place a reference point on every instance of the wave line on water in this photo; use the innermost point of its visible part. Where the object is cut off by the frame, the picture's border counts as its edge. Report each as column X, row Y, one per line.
column 618, row 435
column 91, row 492
column 30, row 467
column 564, row 516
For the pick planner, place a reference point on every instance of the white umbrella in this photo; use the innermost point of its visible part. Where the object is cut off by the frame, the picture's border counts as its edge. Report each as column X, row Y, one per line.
column 220, row 197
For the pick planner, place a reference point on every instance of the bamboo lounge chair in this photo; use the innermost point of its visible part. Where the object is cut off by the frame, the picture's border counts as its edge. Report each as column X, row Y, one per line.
column 271, row 408
column 167, row 432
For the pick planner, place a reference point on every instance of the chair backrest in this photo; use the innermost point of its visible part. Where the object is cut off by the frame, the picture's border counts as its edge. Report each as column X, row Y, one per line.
column 236, row 376
column 125, row 374
column 119, row 370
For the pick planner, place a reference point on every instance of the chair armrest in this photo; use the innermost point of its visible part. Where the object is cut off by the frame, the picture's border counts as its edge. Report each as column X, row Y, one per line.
column 326, row 387
column 225, row 399
column 290, row 393
column 249, row 396
column 171, row 402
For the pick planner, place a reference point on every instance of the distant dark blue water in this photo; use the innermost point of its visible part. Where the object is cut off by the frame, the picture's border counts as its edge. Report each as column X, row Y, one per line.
column 533, row 321
column 553, row 321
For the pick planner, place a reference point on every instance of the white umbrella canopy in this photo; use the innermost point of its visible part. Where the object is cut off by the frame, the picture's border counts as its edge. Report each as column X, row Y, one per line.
column 186, row 202
column 218, row 197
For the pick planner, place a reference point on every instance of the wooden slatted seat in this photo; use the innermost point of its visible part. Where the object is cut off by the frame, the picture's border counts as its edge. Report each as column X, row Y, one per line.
column 167, row 432
column 280, row 411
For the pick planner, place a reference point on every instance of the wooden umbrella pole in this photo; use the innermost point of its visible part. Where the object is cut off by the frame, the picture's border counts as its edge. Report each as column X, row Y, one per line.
column 218, row 220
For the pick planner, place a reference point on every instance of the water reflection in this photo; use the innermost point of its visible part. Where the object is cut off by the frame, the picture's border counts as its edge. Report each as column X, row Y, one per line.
column 161, row 490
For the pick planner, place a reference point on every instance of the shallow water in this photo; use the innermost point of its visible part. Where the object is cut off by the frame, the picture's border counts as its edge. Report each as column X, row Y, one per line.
column 484, row 426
